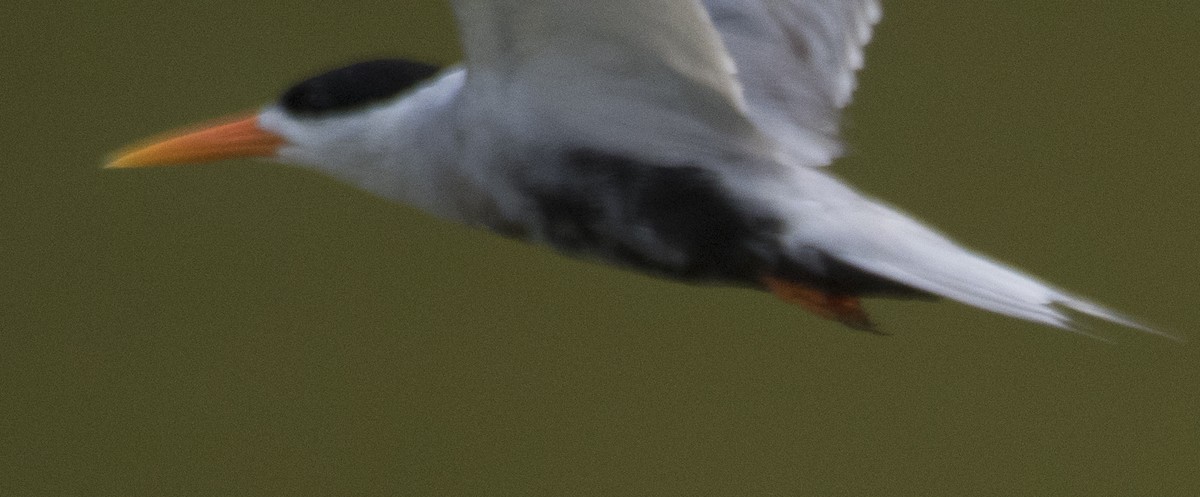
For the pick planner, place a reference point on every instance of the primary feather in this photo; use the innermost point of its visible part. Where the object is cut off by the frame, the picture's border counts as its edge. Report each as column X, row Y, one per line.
column 796, row 62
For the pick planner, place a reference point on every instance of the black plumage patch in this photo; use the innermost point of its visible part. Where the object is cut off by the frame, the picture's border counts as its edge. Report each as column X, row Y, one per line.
column 678, row 221
column 355, row 86
column 672, row 220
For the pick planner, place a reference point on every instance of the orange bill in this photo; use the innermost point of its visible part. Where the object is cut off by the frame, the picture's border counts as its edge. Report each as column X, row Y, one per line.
column 240, row 138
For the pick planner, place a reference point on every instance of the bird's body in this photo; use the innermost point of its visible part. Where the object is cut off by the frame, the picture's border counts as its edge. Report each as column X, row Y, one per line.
column 678, row 137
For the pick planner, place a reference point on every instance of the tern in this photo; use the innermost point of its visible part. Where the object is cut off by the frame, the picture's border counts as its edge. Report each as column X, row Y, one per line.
column 683, row 138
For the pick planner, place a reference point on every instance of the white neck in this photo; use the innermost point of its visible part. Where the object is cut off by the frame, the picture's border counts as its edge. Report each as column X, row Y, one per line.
column 407, row 150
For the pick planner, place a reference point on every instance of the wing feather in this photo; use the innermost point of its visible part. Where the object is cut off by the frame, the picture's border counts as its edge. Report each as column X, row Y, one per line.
column 796, row 62
column 673, row 74
column 642, row 75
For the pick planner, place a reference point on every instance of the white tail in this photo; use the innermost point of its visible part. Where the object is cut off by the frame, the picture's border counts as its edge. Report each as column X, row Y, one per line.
column 979, row 282
column 898, row 248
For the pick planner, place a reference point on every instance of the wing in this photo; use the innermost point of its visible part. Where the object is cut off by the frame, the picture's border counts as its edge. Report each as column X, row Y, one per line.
column 796, row 61
column 647, row 76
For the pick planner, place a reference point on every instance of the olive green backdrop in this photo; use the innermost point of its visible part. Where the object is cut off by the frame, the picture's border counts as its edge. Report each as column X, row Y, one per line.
column 248, row 329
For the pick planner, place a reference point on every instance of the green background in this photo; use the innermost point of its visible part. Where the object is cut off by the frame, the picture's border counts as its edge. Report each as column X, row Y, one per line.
column 249, row 329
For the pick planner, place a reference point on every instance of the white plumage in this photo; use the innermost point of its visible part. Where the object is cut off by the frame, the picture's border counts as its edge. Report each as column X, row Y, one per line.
column 676, row 136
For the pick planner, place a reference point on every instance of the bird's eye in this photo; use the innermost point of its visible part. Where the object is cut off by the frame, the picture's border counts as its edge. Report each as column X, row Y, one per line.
column 355, row 86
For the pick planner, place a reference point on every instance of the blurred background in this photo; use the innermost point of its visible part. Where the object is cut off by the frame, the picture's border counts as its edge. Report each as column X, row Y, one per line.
column 251, row 329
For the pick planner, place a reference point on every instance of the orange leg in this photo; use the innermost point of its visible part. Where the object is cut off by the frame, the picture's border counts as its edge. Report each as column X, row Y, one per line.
column 845, row 309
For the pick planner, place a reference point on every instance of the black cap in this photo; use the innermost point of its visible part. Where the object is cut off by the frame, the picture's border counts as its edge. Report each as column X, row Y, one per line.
column 355, row 86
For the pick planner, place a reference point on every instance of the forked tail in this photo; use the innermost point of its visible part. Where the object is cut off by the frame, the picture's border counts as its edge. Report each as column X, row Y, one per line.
column 883, row 242
column 955, row 273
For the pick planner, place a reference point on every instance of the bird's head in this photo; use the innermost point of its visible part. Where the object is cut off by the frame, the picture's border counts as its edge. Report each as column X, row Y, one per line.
column 324, row 122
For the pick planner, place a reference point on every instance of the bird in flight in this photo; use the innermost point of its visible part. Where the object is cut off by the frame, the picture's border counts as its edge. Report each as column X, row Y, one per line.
column 684, row 138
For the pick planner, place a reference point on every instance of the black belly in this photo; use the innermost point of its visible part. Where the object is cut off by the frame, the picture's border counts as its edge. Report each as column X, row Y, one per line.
column 678, row 221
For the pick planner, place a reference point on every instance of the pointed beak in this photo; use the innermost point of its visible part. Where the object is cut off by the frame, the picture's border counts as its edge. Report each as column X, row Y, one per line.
column 234, row 138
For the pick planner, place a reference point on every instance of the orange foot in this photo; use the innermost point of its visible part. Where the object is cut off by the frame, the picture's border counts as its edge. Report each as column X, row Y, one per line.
column 845, row 309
